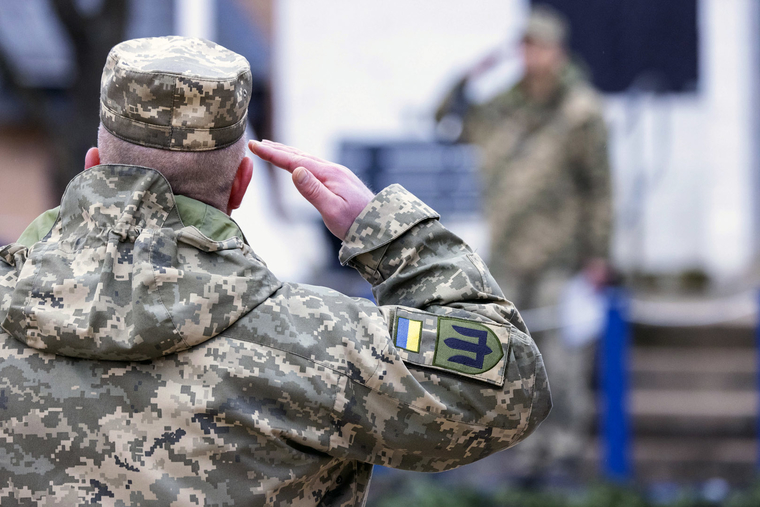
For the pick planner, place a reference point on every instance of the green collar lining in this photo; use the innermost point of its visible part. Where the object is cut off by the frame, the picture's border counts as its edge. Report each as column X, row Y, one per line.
column 213, row 223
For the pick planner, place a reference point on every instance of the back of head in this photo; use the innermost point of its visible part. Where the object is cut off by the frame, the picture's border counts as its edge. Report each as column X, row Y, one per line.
column 544, row 53
column 203, row 175
column 178, row 105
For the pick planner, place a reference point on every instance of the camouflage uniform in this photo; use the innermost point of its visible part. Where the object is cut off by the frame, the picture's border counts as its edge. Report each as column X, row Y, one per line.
column 547, row 180
column 149, row 357
column 548, row 201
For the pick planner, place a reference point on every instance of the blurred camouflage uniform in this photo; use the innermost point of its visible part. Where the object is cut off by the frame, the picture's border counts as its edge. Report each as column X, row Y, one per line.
column 149, row 357
column 548, row 202
column 546, row 179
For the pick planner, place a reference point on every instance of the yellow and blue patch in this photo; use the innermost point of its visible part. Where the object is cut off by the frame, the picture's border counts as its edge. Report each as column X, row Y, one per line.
column 408, row 334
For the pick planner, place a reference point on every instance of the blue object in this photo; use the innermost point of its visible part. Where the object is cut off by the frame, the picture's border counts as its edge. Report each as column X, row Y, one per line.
column 614, row 424
column 402, row 332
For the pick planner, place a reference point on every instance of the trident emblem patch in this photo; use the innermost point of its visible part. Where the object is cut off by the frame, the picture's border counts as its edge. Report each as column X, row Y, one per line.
column 466, row 346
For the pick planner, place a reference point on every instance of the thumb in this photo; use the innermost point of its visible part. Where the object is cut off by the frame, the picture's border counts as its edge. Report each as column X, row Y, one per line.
column 311, row 188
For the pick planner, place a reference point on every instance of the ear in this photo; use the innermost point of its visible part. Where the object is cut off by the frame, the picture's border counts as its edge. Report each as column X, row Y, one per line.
column 92, row 158
column 240, row 184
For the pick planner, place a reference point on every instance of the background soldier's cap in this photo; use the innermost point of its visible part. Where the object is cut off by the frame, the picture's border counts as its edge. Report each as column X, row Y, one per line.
column 546, row 24
column 175, row 93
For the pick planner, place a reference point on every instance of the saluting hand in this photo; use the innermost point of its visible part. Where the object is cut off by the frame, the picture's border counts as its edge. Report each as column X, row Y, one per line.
column 337, row 193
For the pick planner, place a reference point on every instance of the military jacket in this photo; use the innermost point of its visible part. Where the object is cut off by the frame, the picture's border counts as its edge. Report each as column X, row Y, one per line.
column 546, row 176
column 148, row 358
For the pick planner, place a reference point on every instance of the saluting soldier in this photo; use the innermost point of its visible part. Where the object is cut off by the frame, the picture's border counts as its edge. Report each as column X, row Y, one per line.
column 548, row 201
column 149, row 357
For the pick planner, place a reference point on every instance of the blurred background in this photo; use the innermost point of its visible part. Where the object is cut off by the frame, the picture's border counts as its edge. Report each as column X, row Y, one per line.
column 671, row 368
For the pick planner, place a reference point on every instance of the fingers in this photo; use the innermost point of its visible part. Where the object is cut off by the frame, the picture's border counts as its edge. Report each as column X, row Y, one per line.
column 280, row 158
column 288, row 158
column 332, row 189
column 295, row 151
column 312, row 189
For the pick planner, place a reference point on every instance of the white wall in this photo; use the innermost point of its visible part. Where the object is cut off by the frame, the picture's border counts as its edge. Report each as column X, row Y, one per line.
column 699, row 194
column 374, row 68
column 659, row 167
column 377, row 69
column 729, row 70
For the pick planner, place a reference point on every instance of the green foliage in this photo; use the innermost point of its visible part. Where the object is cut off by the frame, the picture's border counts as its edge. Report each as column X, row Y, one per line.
column 433, row 494
column 437, row 494
column 527, row 498
column 746, row 498
column 611, row 496
column 428, row 493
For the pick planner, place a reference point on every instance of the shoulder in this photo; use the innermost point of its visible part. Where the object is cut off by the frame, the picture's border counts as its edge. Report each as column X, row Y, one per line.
column 319, row 325
column 510, row 98
column 328, row 311
column 583, row 105
column 302, row 299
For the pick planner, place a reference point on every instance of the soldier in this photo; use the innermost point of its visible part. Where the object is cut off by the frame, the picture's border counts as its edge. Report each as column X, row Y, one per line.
column 149, row 357
column 548, row 202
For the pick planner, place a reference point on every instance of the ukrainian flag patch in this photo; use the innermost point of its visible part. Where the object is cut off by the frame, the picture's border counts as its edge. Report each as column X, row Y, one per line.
column 408, row 334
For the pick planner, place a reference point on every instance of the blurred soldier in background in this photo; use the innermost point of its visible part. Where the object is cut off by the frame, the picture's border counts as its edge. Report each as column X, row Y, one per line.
column 149, row 357
column 548, row 201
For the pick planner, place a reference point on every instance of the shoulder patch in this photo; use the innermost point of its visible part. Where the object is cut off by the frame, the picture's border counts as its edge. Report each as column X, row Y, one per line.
column 464, row 347
column 408, row 333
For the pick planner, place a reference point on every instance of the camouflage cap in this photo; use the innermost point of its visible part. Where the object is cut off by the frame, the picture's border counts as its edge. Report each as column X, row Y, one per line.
column 546, row 24
column 175, row 93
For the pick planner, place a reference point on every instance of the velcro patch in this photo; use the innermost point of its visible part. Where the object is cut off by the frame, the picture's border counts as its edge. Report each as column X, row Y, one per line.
column 465, row 347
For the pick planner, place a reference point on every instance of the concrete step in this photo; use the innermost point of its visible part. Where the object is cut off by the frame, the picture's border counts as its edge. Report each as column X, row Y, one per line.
column 693, row 360
column 703, row 413
column 691, row 472
column 695, row 459
column 657, row 459
column 669, row 450
column 692, row 381
column 691, row 449
column 716, row 337
column 693, row 404
column 683, row 368
column 715, row 428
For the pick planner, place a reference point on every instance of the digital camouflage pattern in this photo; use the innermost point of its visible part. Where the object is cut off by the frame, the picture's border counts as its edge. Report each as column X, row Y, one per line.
column 143, row 363
column 175, row 93
column 546, row 178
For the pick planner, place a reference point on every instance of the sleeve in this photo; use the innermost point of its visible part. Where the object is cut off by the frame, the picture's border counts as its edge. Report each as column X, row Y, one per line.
column 472, row 116
column 455, row 101
column 453, row 376
column 590, row 163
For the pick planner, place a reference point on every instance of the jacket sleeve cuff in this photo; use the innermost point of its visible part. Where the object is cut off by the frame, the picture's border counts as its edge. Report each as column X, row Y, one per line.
column 388, row 216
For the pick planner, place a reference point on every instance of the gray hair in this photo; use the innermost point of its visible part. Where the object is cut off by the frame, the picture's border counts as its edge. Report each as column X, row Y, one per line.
column 206, row 176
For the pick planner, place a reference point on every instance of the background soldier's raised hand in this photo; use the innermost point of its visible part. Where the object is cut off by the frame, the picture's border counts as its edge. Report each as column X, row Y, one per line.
column 337, row 193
